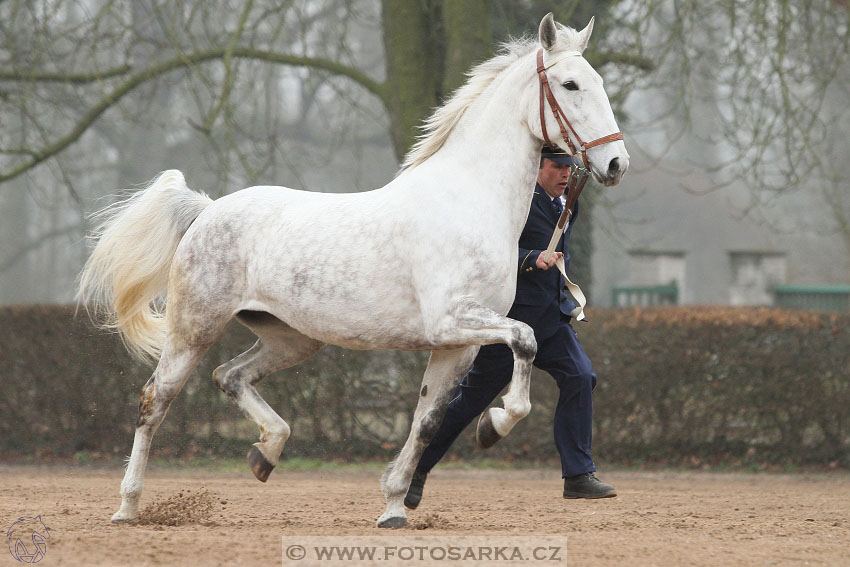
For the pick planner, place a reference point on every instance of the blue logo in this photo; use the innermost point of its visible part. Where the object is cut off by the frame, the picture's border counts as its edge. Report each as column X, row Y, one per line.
column 28, row 539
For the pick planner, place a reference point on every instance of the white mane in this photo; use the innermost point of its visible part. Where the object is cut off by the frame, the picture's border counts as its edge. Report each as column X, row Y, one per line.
column 437, row 128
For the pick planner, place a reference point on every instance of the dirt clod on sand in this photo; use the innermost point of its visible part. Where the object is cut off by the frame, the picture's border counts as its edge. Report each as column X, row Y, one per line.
column 431, row 521
column 187, row 507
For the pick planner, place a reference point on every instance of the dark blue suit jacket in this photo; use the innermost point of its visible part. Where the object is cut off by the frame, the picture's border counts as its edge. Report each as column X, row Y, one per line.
column 540, row 296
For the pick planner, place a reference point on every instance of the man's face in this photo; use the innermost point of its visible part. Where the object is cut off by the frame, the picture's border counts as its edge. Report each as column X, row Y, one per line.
column 553, row 177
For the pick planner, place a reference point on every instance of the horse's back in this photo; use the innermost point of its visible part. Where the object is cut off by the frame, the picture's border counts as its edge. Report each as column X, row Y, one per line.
column 320, row 262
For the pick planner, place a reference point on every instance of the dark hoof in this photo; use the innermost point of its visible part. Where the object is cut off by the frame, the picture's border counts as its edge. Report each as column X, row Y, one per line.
column 261, row 467
column 485, row 434
column 393, row 523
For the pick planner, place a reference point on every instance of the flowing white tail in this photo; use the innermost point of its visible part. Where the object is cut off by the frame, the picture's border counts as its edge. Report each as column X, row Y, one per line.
column 128, row 270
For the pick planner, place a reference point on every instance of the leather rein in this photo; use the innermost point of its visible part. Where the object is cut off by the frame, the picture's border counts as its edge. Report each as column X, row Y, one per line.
column 578, row 175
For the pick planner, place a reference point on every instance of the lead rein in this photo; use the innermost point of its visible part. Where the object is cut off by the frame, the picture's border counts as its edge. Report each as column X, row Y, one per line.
column 575, row 185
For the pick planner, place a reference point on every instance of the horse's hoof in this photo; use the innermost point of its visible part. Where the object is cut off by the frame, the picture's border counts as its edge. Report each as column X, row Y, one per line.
column 261, row 467
column 393, row 522
column 121, row 518
column 485, row 434
column 128, row 511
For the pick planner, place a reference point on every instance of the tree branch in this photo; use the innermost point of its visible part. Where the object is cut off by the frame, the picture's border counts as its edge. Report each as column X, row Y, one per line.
column 12, row 259
column 186, row 61
column 601, row 58
column 57, row 77
column 227, row 82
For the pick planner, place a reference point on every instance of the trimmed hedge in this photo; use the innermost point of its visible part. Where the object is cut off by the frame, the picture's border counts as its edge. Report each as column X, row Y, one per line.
column 681, row 386
column 720, row 385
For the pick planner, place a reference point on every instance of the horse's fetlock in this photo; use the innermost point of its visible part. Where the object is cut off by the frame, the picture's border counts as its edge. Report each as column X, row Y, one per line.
column 277, row 431
column 519, row 410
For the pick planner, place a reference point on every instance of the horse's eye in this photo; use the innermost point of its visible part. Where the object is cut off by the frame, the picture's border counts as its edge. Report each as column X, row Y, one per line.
column 570, row 86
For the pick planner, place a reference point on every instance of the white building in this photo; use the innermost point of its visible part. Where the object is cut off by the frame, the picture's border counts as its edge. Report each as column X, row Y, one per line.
column 656, row 233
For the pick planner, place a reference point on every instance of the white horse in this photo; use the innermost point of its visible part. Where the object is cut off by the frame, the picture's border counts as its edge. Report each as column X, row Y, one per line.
column 427, row 262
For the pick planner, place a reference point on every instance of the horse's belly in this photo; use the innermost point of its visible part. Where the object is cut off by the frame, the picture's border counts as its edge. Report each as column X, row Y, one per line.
column 359, row 328
column 345, row 280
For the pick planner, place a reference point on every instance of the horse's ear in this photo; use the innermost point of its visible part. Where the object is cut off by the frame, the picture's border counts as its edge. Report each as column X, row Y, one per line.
column 584, row 35
column 548, row 33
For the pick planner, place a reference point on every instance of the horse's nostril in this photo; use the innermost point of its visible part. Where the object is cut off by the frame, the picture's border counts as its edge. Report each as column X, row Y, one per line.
column 614, row 166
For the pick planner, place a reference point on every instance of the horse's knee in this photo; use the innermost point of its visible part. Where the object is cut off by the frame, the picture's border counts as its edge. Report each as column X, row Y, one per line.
column 433, row 417
column 430, row 424
column 228, row 380
column 523, row 342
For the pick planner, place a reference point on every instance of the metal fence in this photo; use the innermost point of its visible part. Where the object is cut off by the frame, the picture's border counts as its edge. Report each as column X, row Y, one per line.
column 816, row 298
column 645, row 295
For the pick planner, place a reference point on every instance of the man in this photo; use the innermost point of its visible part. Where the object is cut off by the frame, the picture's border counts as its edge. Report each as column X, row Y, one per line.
column 541, row 303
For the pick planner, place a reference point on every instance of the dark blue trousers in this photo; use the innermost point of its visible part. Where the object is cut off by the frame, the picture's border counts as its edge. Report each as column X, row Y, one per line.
column 562, row 356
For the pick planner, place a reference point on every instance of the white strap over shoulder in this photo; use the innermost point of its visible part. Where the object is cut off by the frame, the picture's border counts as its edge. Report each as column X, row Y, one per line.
column 575, row 291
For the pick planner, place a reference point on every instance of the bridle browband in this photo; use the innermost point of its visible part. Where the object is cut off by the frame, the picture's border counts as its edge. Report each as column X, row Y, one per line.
column 560, row 117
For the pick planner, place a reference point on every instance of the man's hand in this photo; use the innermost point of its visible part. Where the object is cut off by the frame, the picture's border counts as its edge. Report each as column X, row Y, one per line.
column 541, row 265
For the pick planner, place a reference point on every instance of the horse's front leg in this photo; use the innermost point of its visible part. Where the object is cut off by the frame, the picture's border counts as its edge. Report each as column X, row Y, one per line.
column 471, row 324
column 487, row 325
column 445, row 369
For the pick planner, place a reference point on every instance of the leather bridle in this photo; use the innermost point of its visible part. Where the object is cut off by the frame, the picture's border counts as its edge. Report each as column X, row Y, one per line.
column 578, row 175
column 560, row 117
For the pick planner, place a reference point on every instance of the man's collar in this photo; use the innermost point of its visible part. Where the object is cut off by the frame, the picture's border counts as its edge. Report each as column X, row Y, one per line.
column 538, row 190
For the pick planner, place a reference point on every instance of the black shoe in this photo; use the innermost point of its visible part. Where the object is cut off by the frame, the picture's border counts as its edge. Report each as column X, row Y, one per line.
column 414, row 492
column 587, row 486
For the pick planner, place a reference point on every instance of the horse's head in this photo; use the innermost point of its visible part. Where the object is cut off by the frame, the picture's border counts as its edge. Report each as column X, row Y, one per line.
column 577, row 90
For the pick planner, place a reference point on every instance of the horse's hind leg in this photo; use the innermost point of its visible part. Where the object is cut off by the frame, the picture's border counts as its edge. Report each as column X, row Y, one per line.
column 279, row 346
column 174, row 368
column 445, row 369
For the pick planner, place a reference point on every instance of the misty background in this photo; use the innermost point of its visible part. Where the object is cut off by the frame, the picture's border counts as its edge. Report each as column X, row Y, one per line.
column 735, row 114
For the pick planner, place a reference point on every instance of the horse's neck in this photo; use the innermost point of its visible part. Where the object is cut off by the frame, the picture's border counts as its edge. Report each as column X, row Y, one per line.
column 494, row 148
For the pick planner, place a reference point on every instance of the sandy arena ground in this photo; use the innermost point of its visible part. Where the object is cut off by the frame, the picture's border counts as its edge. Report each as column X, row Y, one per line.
column 659, row 518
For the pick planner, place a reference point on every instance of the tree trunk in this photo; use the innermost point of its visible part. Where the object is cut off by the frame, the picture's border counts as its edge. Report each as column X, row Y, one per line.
column 468, row 39
column 414, row 66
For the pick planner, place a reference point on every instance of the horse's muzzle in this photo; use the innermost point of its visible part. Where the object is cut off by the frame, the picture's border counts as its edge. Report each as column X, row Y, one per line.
column 616, row 169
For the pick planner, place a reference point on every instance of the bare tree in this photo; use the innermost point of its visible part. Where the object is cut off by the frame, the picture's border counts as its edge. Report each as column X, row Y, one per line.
column 763, row 87
column 92, row 91
column 239, row 90
column 56, row 52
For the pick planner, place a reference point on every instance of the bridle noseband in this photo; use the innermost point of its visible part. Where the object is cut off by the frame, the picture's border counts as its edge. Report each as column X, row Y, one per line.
column 561, row 117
